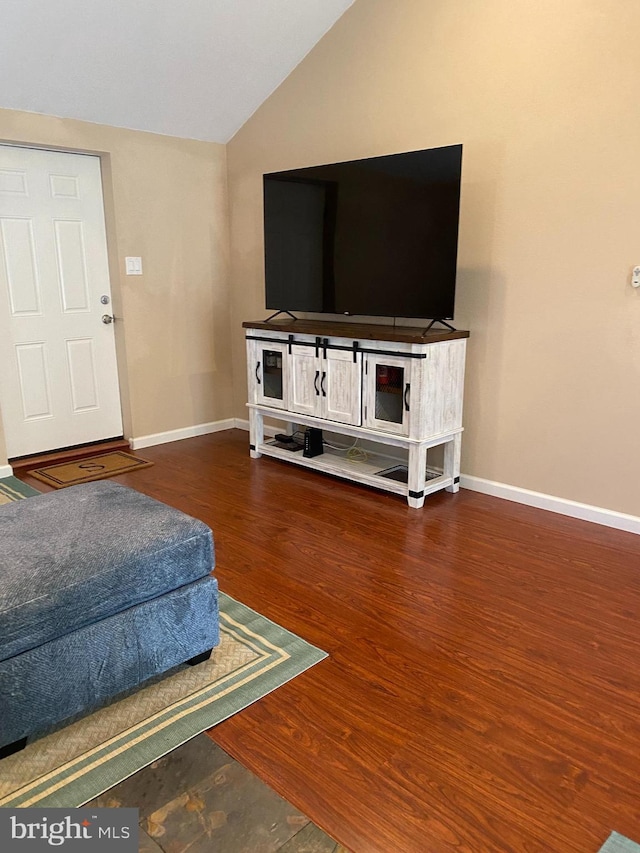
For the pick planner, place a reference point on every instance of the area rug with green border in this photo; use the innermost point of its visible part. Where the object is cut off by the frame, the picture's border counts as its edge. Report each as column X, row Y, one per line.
column 75, row 763
column 619, row 844
column 12, row 489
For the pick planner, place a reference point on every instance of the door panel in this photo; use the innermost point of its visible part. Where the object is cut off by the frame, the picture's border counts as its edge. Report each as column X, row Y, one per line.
column 16, row 237
column 304, row 396
column 59, row 382
column 82, row 374
column 72, row 273
column 342, row 387
column 33, row 379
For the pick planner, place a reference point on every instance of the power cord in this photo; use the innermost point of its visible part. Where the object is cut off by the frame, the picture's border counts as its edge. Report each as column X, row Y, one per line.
column 354, row 453
column 357, row 454
column 340, row 446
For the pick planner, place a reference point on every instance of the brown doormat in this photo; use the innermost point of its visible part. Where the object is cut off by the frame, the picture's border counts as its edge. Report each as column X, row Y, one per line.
column 86, row 470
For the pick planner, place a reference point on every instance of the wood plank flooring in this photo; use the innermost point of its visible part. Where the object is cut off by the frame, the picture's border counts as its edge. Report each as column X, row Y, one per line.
column 482, row 693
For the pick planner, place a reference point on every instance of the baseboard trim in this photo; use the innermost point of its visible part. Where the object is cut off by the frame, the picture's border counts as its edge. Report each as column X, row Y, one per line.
column 179, row 434
column 539, row 500
column 268, row 430
column 6, row 471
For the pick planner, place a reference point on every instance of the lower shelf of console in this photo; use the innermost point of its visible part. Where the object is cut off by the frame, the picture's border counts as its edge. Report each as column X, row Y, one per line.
column 373, row 454
column 368, row 467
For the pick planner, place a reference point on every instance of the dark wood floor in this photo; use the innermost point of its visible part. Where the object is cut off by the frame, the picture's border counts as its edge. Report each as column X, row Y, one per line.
column 483, row 687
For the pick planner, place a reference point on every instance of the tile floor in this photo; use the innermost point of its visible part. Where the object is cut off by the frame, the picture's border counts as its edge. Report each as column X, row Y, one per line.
column 197, row 798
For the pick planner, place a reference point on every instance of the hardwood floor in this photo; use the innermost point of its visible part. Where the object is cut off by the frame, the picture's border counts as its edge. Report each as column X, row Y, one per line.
column 482, row 692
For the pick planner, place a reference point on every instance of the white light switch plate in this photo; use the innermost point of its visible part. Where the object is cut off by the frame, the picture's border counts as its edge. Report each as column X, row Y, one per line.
column 133, row 266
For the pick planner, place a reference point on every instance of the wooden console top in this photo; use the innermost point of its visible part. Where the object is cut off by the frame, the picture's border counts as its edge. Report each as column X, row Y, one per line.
column 361, row 331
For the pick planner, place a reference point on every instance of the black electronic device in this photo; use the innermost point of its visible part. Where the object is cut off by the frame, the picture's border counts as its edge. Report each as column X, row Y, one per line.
column 373, row 237
column 312, row 442
column 293, row 446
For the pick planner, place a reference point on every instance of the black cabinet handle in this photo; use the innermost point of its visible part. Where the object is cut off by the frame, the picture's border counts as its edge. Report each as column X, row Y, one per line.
column 406, row 397
column 258, row 374
column 324, row 375
column 315, row 383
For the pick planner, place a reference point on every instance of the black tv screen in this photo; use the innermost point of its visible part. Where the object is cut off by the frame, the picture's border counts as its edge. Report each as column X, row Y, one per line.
column 376, row 236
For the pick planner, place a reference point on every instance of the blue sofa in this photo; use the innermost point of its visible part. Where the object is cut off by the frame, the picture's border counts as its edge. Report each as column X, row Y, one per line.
column 101, row 588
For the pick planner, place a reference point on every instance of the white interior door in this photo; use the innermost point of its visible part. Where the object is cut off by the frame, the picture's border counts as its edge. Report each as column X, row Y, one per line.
column 58, row 376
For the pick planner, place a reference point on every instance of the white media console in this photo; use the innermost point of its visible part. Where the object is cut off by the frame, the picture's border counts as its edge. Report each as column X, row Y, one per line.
column 385, row 395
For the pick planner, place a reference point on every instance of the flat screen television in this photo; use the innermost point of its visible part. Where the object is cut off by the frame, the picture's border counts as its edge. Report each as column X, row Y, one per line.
column 372, row 237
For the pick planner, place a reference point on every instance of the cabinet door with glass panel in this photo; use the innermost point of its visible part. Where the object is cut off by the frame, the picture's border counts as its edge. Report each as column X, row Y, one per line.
column 268, row 373
column 387, row 393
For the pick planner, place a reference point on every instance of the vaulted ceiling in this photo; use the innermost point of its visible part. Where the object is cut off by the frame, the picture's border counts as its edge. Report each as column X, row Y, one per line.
column 190, row 68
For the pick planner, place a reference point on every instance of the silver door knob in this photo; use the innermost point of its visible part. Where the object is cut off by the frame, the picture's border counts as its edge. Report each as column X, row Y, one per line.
column 107, row 318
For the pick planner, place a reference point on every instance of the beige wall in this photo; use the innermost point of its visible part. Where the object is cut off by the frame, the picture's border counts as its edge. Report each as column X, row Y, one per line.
column 544, row 97
column 166, row 201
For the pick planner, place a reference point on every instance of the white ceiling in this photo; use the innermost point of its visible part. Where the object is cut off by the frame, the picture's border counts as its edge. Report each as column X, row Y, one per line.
column 190, row 68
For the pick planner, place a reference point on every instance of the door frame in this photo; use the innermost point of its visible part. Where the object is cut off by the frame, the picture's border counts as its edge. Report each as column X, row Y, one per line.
column 109, row 209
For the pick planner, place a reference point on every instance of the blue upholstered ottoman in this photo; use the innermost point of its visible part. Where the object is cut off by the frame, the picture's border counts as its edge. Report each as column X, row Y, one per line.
column 101, row 588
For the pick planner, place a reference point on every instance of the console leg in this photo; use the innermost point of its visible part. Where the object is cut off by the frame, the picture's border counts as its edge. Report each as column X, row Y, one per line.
column 452, row 462
column 200, row 658
column 11, row 748
column 417, row 476
column 256, row 433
